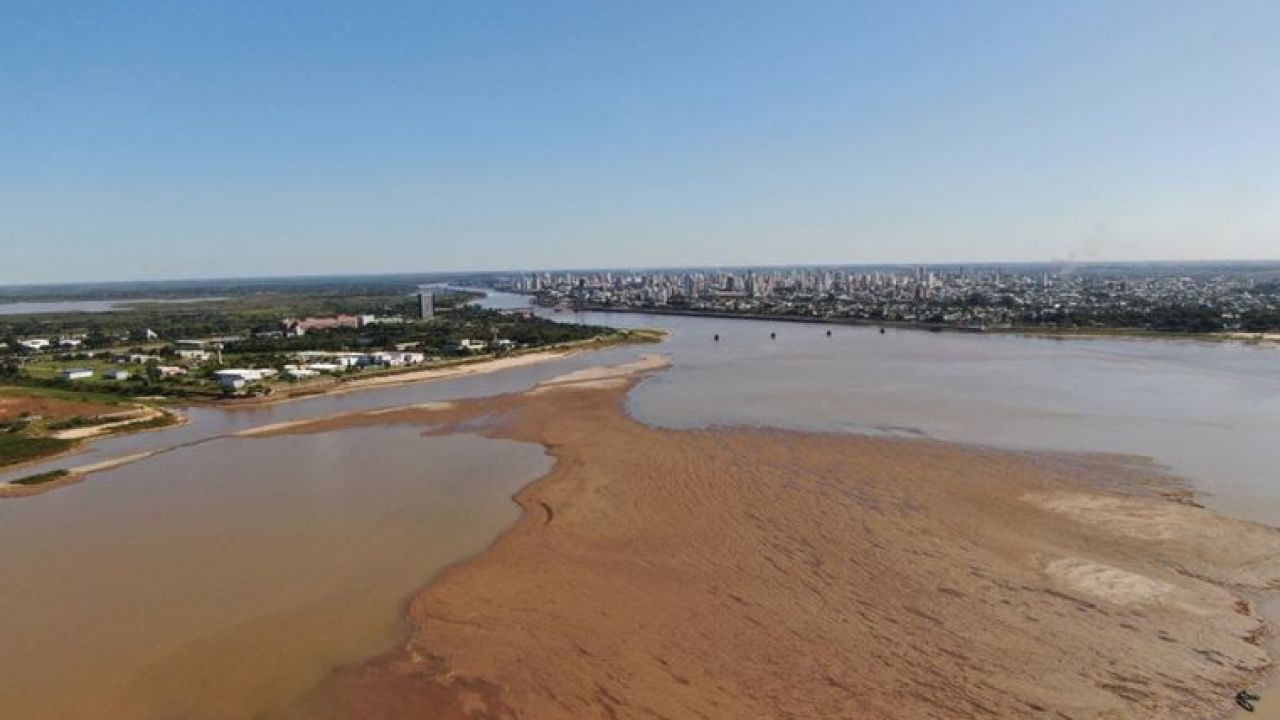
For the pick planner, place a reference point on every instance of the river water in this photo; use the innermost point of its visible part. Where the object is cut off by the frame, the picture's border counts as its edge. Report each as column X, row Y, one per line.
column 222, row 577
column 89, row 306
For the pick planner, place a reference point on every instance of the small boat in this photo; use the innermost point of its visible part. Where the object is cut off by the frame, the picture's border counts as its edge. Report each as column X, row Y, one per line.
column 773, row 336
column 828, row 333
column 717, row 337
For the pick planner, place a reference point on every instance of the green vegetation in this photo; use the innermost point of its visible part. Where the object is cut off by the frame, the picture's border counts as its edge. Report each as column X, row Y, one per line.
column 78, row 421
column 241, row 315
column 16, row 446
column 41, row 478
column 155, row 423
column 253, row 342
column 54, row 393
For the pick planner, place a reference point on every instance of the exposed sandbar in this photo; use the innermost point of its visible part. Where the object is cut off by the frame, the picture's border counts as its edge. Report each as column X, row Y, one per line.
column 749, row 573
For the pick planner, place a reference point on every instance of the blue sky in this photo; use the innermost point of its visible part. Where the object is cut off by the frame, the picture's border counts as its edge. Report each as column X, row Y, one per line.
column 158, row 140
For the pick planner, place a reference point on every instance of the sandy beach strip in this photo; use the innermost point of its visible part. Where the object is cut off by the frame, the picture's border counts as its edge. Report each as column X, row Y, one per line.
column 477, row 367
column 278, row 428
column 730, row 573
column 603, row 376
column 74, row 475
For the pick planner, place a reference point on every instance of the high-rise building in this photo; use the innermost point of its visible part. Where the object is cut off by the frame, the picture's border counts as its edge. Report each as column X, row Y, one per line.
column 426, row 304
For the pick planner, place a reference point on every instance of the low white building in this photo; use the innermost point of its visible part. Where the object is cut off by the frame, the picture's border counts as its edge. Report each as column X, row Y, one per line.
column 341, row 359
column 34, row 343
column 469, row 345
column 194, row 355
column 117, row 375
column 236, row 378
column 374, row 320
column 76, row 374
column 298, row 373
column 394, row 359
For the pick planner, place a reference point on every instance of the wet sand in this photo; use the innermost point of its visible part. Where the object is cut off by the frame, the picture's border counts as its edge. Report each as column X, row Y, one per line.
column 737, row 572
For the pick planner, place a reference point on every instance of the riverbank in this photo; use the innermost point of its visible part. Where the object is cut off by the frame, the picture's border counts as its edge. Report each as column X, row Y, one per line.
column 457, row 368
column 477, row 366
column 740, row 572
column 1262, row 339
column 39, row 425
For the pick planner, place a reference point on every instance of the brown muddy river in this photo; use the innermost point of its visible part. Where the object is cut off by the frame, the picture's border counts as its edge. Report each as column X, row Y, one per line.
column 222, row 580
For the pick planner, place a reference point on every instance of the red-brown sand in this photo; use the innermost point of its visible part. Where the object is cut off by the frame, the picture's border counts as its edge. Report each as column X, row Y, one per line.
column 750, row 573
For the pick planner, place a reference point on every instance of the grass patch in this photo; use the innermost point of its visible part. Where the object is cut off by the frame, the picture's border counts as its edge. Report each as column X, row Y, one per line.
column 41, row 478
column 154, row 423
column 17, row 448
column 60, row 394
column 79, row 421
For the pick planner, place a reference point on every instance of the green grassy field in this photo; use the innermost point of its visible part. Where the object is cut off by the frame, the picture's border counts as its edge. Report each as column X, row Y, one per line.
column 49, row 369
column 61, row 394
column 15, row 448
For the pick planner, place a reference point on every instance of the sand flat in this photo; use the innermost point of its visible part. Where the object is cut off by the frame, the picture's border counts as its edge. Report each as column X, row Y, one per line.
column 732, row 573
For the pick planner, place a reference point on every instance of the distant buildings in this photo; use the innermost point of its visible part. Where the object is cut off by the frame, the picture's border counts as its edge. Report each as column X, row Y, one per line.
column 426, row 304
column 237, row 378
column 193, row 355
column 1184, row 298
column 295, row 327
column 76, row 374
column 298, row 372
column 366, row 320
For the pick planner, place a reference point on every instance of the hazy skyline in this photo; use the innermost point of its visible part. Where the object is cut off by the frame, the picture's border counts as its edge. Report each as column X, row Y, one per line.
column 154, row 140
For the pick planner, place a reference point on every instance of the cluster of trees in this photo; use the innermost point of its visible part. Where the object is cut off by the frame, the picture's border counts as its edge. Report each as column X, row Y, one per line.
column 1165, row 318
column 232, row 316
column 438, row 336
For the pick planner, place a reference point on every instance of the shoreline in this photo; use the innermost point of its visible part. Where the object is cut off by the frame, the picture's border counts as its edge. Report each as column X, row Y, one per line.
column 460, row 368
column 83, row 441
column 573, row 582
column 10, row 490
column 1031, row 331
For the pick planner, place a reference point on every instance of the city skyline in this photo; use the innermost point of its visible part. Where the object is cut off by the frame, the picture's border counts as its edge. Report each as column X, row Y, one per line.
column 230, row 140
column 1228, row 265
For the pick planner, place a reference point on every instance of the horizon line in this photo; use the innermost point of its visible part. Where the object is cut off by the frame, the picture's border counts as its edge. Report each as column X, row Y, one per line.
column 656, row 268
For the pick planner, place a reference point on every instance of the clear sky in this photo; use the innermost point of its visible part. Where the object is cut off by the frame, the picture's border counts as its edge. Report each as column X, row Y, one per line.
column 193, row 139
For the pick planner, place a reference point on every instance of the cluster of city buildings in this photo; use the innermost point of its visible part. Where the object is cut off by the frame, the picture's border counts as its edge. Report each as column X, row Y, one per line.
column 977, row 298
